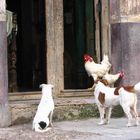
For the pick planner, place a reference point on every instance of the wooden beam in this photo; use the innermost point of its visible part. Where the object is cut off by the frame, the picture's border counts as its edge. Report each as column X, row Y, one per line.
column 59, row 44
column 50, row 41
column 105, row 28
column 97, row 30
column 55, row 44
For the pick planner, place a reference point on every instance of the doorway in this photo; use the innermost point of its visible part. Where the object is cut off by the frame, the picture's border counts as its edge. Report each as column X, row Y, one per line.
column 79, row 38
column 30, row 51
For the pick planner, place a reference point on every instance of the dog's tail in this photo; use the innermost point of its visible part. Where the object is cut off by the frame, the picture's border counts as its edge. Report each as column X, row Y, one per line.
column 42, row 124
column 137, row 87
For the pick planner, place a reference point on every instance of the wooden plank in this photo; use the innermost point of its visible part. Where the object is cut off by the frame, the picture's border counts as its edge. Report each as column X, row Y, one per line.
column 59, row 45
column 50, row 41
column 105, row 28
column 55, row 44
column 76, row 93
column 36, row 95
column 20, row 96
column 97, row 31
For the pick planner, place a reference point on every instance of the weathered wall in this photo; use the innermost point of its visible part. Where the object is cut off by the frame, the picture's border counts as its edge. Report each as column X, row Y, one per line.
column 125, row 31
column 126, row 50
column 124, row 11
column 125, row 41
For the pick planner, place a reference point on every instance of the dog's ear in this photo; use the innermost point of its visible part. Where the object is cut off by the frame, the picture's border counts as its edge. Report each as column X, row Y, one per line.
column 105, row 82
column 41, row 85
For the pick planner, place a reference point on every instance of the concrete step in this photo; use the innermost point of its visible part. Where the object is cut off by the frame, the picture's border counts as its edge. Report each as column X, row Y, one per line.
column 67, row 108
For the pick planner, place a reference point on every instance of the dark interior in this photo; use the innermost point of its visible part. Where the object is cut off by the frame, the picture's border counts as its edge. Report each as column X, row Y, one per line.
column 30, row 43
column 79, row 38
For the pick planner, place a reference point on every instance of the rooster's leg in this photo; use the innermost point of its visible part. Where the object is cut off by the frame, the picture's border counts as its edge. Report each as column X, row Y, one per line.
column 92, row 88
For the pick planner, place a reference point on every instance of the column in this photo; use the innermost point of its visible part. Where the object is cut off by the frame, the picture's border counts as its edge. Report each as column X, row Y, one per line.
column 55, row 44
column 4, row 107
column 125, row 41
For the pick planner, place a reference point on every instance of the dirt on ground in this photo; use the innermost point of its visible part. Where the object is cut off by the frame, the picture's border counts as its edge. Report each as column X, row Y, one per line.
column 74, row 130
column 24, row 132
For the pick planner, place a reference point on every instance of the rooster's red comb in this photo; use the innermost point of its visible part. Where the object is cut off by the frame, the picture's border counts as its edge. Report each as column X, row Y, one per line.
column 87, row 58
column 86, row 55
column 121, row 74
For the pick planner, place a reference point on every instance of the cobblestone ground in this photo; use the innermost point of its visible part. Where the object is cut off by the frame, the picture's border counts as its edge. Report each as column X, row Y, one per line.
column 74, row 130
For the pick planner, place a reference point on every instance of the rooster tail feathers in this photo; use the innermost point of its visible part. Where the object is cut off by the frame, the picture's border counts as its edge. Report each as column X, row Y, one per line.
column 105, row 57
column 137, row 87
column 106, row 61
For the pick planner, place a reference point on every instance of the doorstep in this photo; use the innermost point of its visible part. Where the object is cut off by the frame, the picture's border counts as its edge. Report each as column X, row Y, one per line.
column 68, row 108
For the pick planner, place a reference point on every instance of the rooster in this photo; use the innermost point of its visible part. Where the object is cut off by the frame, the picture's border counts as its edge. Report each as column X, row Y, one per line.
column 112, row 78
column 94, row 69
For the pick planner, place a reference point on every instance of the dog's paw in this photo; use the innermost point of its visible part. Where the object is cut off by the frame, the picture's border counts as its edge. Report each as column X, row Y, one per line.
column 129, row 125
column 50, row 125
column 137, row 123
column 106, row 122
column 101, row 123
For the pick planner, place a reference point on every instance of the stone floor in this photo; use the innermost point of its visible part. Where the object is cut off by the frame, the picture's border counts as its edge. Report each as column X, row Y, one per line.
column 74, row 130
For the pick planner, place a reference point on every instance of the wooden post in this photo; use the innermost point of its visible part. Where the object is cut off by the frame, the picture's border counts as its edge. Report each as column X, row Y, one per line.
column 105, row 28
column 97, row 31
column 55, row 44
column 59, row 45
column 4, row 107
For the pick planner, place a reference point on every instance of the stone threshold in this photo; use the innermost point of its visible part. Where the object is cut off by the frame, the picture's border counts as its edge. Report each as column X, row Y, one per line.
column 69, row 105
column 65, row 108
column 35, row 95
column 70, row 108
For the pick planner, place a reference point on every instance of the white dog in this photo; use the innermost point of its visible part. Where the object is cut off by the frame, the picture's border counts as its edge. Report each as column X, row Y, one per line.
column 43, row 117
column 106, row 98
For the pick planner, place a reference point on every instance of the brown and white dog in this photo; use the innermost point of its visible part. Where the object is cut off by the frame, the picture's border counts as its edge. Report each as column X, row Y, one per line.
column 107, row 97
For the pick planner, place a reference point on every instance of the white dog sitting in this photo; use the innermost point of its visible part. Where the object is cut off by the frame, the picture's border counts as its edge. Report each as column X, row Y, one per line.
column 43, row 117
column 106, row 98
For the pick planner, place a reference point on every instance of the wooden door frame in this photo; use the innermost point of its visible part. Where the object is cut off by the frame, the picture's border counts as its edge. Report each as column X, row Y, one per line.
column 54, row 49
column 104, row 40
column 55, row 44
column 55, row 39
